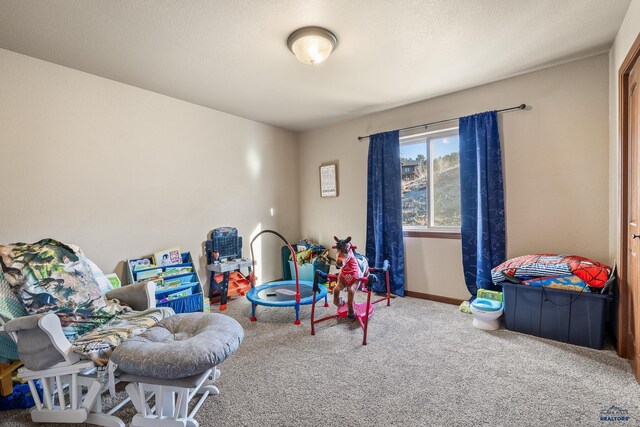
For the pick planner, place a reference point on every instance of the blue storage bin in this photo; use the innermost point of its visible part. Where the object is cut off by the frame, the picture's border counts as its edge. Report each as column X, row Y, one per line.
column 306, row 271
column 187, row 304
column 568, row 316
column 21, row 398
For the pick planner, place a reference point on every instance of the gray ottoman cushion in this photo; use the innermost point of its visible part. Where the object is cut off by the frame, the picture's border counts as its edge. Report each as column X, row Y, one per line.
column 180, row 346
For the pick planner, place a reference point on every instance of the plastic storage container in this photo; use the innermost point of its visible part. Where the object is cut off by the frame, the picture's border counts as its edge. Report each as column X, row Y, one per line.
column 288, row 273
column 21, row 397
column 306, row 271
column 567, row 316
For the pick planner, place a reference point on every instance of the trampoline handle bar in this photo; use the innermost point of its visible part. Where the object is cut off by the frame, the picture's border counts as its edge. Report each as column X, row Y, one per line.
column 293, row 257
column 272, row 232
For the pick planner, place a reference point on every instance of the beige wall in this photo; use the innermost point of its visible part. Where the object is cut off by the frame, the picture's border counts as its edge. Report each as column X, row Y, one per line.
column 95, row 162
column 122, row 172
column 626, row 36
column 556, row 170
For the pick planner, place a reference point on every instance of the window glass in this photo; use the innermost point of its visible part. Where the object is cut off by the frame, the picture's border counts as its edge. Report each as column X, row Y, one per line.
column 430, row 167
column 445, row 153
column 415, row 183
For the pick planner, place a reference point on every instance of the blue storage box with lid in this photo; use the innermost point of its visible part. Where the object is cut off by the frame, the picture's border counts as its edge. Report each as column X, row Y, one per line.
column 185, row 293
column 572, row 317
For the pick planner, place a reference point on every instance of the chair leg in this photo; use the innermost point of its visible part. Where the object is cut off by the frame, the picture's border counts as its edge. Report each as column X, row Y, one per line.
column 134, row 393
column 172, row 403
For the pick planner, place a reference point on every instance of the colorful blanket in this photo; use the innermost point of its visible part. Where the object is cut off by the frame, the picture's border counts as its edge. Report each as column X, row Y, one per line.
column 98, row 344
column 593, row 273
column 51, row 276
column 566, row 283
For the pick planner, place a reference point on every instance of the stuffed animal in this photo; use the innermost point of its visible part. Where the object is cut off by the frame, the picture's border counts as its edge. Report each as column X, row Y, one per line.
column 303, row 256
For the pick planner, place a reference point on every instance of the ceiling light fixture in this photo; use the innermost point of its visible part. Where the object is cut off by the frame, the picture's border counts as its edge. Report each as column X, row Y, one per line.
column 312, row 45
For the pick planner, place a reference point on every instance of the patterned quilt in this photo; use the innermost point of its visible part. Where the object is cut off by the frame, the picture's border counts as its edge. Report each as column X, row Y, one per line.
column 98, row 344
column 593, row 273
column 49, row 276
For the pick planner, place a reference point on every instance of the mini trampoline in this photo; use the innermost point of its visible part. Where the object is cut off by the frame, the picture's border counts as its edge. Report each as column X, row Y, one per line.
column 283, row 293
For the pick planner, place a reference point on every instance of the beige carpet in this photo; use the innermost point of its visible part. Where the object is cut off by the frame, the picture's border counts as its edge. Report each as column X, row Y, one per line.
column 425, row 365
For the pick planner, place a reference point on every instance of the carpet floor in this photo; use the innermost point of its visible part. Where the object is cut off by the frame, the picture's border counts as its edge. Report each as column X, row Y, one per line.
column 424, row 365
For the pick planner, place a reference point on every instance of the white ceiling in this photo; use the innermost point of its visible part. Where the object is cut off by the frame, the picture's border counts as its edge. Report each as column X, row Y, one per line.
column 232, row 55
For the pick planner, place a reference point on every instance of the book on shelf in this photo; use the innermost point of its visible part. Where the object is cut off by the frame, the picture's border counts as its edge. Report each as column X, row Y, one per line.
column 181, row 294
column 171, row 283
column 174, row 271
column 114, row 280
column 139, row 263
column 167, row 257
column 146, row 274
column 139, row 267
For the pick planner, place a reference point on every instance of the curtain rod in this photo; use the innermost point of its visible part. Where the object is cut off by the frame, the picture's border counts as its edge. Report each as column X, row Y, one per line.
column 425, row 125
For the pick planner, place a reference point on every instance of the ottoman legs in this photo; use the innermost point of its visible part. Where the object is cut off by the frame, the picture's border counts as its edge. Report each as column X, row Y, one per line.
column 172, row 402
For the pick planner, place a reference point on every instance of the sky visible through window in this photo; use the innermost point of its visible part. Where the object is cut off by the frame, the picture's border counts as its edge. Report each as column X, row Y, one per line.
column 442, row 147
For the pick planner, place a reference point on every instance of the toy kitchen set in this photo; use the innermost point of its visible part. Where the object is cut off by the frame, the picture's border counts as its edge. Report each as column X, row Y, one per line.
column 225, row 264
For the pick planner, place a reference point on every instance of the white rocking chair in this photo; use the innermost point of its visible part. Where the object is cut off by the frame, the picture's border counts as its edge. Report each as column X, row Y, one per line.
column 48, row 356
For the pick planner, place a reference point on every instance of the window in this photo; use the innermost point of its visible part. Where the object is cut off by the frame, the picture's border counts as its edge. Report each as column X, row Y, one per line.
column 431, row 181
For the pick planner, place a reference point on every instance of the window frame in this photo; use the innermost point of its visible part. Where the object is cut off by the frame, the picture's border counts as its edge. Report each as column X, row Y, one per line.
column 430, row 231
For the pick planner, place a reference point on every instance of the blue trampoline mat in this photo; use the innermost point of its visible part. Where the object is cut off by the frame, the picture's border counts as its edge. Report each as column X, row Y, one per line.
column 282, row 293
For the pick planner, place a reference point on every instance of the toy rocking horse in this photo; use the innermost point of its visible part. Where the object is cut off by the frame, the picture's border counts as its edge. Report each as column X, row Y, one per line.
column 354, row 272
column 354, row 269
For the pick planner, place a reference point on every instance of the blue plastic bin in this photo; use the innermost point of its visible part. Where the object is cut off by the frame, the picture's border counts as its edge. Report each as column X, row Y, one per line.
column 21, row 397
column 567, row 316
column 306, row 271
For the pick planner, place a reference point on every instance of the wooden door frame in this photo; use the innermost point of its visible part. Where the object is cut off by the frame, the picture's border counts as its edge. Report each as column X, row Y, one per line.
column 629, row 62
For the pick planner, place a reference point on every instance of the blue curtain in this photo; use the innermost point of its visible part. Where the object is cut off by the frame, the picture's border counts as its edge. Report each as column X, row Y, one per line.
column 384, row 209
column 482, row 199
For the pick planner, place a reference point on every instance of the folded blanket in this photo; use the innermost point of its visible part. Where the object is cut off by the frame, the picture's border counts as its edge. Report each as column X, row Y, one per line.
column 98, row 344
column 593, row 273
column 567, row 283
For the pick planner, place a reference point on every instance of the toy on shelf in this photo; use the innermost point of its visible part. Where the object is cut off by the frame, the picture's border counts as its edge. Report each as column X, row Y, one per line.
column 224, row 263
column 283, row 293
column 354, row 272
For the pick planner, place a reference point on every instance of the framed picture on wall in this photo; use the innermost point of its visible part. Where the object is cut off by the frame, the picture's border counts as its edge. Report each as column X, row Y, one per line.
column 329, row 180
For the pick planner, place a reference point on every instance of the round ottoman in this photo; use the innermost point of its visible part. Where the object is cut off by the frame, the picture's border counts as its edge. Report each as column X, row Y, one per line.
column 172, row 360
column 180, row 346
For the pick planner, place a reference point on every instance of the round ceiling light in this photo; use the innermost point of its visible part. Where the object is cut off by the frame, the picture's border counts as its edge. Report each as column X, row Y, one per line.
column 312, row 45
